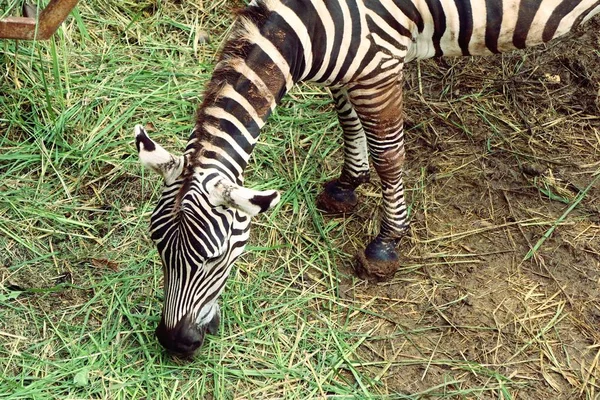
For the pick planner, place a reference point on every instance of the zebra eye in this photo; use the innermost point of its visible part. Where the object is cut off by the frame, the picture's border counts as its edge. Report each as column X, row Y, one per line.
column 215, row 259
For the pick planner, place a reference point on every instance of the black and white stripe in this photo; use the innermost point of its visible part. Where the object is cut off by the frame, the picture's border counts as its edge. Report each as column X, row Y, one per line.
column 356, row 47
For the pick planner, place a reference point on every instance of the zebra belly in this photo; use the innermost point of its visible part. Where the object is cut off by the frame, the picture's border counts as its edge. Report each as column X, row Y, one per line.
column 483, row 27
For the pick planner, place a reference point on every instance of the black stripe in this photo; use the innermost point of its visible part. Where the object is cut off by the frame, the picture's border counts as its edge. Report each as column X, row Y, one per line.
column 493, row 24
column 409, row 9
column 527, row 12
column 557, row 15
column 216, row 274
column 248, row 89
column 392, row 21
column 373, row 49
column 166, row 230
column 285, row 39
column 375, row 72
column 439, row 24
column 228, row 127
column 267, row 70
column 355, row 40
column 236, row 109
column 338, row 22
column 318, row 36
column 227, row 148
column 220, row 164
column 234, row 132
column 465, row 19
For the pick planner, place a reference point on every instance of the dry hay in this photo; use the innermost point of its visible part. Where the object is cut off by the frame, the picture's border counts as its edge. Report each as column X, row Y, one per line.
column 497, row 150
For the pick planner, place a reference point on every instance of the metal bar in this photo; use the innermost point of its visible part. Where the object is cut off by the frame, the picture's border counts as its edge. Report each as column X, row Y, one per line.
column 48, row 22
column 17, row 28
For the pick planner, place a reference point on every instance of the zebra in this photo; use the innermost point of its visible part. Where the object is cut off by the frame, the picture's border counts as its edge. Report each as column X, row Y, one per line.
column 357, row 48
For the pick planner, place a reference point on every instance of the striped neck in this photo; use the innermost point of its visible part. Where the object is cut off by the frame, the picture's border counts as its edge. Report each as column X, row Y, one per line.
column 257, row 67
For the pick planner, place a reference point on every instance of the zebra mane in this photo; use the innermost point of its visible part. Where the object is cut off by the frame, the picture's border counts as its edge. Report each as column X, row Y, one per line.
column 237, row 47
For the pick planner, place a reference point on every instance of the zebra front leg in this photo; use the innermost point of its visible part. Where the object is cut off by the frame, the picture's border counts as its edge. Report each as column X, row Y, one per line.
column 339, row 195
column 380, row 111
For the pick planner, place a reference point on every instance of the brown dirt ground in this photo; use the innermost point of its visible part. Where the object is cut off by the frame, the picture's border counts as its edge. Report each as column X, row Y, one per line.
column 487, row 138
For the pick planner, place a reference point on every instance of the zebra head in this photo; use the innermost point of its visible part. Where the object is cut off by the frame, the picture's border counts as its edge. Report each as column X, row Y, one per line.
column 200, row 226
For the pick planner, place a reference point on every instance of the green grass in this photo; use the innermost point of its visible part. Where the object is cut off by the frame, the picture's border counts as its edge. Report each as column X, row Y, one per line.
column 81, row 283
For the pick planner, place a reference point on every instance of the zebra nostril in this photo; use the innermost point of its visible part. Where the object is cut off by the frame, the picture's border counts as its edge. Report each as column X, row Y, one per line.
column 184, row 339
column 190, row 340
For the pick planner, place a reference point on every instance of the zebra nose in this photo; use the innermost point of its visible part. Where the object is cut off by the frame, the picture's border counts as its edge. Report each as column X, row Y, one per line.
column 184, row 339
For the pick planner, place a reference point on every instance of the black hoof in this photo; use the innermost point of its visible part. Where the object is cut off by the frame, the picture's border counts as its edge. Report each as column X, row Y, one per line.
column 379, row 262
column 335, row 199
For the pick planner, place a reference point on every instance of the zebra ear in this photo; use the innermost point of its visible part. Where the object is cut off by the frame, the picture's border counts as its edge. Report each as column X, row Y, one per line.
column 249, row 201
column 154, row 156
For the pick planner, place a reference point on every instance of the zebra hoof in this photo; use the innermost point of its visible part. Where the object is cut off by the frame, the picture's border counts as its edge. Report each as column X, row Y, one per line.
column 375, row 270
column 378, row 262
column 335, row 200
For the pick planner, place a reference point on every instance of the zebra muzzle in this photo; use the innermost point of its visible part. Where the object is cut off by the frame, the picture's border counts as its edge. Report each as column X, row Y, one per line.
column 187, row 336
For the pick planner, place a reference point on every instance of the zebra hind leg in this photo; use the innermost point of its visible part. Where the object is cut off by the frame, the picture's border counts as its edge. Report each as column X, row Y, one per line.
column 380, row 111
column 338, row 195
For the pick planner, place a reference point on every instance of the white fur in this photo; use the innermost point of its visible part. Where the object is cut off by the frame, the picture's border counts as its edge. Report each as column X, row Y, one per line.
column 159, row 160
column 238, row 197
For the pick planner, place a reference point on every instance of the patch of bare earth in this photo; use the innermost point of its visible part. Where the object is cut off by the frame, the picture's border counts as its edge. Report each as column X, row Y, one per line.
column 498, row 150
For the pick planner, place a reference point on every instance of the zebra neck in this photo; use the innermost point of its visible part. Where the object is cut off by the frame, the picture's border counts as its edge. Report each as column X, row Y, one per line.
column 258, row 65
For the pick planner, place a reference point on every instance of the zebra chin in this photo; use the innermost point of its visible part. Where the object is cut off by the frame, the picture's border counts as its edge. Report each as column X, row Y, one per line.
column 187, row 336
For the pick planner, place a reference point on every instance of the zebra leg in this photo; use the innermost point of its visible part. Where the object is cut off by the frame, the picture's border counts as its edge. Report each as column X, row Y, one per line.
column 338, row 195
column 380, row 111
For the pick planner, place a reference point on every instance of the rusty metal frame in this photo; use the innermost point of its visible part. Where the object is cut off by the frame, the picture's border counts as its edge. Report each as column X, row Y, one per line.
column 28, row 28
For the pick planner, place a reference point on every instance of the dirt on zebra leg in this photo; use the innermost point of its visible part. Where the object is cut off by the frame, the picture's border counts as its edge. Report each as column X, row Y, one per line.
column 375, row 270
column 334, row 200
